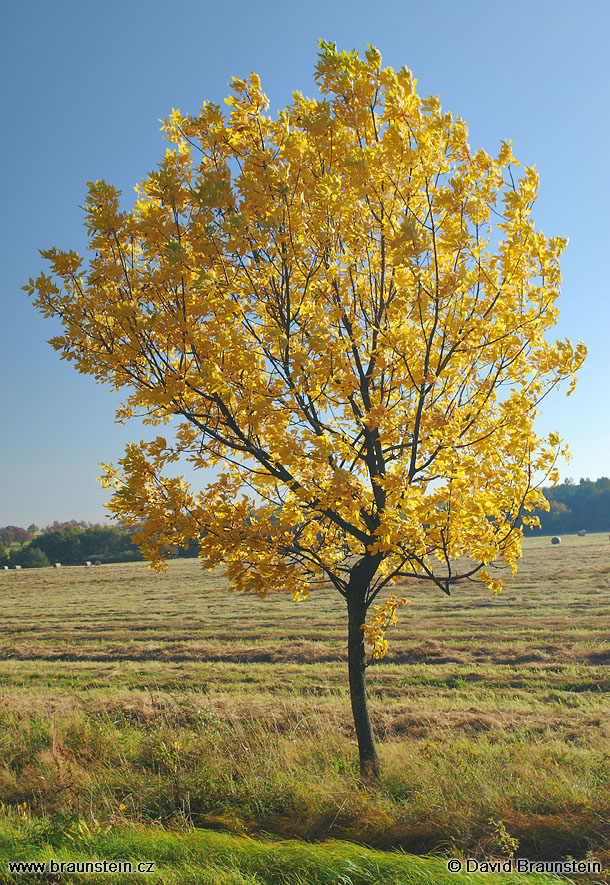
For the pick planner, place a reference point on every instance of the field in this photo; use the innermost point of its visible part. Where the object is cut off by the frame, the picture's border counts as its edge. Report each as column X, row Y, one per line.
column 161, row 707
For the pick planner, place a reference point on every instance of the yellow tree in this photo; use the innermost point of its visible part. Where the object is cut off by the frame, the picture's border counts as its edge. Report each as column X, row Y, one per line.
column 342, row 310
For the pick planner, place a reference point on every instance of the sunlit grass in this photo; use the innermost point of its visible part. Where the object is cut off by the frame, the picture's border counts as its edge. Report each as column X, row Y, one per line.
column 131, row 698
column 208, row 858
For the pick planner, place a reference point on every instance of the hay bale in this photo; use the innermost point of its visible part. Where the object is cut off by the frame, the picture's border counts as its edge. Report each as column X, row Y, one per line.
column 555, row 540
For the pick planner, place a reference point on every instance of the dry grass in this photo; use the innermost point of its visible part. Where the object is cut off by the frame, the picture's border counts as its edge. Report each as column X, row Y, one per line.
column 126, row 695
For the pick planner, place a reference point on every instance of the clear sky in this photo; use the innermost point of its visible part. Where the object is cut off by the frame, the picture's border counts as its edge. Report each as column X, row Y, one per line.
column 85, row 84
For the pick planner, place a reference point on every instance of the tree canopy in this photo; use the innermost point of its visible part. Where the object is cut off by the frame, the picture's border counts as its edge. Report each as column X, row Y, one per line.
column 73, row 544
column 342, row 309
column 15, row 534
column 573, row 507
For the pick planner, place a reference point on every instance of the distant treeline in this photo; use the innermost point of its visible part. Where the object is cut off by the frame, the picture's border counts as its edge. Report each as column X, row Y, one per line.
column 576, row 506
column 15, row 534
column 72, row 545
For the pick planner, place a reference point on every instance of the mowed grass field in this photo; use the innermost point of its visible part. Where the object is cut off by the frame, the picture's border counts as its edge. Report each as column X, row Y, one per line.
column 138, row 702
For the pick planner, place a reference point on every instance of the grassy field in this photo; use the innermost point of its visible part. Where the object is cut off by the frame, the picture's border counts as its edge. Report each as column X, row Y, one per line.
column 132, row 702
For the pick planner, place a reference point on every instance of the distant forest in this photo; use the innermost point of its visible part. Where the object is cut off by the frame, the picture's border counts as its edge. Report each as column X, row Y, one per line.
column 576, row 506
column 66, row 543
column 70, row 543
column 573, row 507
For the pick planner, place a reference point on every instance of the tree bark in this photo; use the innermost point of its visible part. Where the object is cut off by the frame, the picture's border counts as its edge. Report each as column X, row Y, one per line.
column 356, row 610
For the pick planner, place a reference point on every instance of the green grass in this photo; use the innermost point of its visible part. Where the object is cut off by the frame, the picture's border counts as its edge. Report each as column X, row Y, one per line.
column 206, row 858
column 142, row 700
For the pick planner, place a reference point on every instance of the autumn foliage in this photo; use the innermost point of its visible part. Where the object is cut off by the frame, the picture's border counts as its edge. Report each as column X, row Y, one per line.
column 342, row 309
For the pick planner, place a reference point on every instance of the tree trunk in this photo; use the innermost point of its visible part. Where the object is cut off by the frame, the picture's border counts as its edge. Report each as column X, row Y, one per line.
column 356, row 609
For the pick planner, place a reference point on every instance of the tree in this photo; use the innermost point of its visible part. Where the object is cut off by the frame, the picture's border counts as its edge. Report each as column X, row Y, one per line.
column 342, row 310
column 575, row 506
column 14, row 534
column 73, row 545
column 28, row 557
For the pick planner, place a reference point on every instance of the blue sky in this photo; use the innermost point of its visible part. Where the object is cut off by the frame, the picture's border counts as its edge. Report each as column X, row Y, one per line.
column 85, row 84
